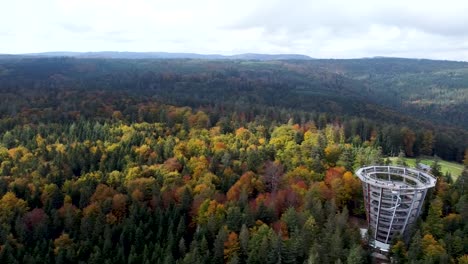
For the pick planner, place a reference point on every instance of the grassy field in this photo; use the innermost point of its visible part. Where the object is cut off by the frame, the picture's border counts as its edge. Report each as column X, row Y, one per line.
column 455, row 169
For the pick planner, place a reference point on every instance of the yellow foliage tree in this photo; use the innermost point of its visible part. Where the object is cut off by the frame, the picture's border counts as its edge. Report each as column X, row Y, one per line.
column 10, row 205
column 431, row 247
column 463, row 259
column 62, row 242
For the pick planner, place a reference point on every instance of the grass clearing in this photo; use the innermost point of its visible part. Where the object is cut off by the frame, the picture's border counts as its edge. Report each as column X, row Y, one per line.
column 455, row 169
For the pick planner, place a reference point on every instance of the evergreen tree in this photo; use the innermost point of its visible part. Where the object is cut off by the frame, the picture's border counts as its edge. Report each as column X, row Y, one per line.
column 218, row 246
column 356, row 255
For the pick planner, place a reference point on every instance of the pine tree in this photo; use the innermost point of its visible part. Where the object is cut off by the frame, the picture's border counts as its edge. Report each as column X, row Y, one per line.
column 433, row 223
column 276, row 250
column 234, row 218
column 7, row 254
column 436, row 168
column 314, row 255
column 218, row 246
column 244, row 243
column 415, row 250
column 356, row 255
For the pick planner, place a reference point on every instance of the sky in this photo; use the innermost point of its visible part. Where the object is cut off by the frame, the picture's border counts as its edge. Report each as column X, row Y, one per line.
column 320, row 29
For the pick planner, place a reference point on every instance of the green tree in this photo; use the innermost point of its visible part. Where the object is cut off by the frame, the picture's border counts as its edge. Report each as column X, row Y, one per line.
column 356, row 255
column 434, row 223
column 398, row 252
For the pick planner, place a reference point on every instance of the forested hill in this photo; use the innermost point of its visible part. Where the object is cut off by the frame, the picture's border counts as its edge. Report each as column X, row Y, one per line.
column 367, row 96
column 165, row 55
column 434, row 89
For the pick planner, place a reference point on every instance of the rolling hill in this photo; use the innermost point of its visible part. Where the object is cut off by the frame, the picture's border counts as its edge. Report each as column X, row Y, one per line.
column 423, row 95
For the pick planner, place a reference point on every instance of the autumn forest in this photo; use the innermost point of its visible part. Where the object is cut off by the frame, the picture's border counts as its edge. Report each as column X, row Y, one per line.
column 217, row 161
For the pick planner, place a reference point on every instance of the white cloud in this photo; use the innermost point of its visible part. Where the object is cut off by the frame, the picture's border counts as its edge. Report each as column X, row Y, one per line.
column 333, row 28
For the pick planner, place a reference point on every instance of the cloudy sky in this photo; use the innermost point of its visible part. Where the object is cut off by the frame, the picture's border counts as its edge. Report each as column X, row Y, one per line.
column 321, row 29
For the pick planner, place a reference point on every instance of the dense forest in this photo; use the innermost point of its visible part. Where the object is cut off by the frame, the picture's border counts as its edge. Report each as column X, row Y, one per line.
column 427, row 99
column 197, row 161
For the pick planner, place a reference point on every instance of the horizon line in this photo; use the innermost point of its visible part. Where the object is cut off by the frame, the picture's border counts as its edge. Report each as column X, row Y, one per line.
column 45, row 53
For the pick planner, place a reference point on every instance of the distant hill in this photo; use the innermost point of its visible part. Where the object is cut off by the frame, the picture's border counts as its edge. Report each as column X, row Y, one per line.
column 420, row 87
column 425, row 95
column 256, row 56
column 165, row 55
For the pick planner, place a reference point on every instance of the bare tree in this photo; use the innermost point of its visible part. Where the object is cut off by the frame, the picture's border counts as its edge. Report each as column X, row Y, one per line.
column 273, row 173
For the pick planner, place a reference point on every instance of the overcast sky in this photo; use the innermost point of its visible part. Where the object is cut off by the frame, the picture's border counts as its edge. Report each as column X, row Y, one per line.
column 318, row 28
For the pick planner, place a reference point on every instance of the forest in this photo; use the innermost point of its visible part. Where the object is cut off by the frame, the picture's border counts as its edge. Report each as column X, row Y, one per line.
column 200, row 161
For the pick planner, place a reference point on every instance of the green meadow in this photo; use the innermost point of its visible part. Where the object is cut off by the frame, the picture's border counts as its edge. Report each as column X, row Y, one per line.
column 455, row 169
